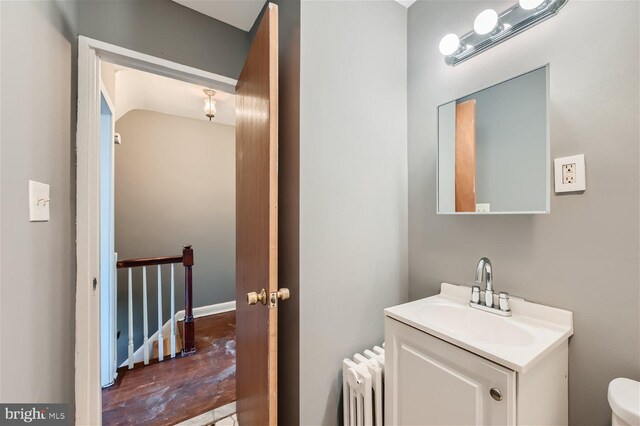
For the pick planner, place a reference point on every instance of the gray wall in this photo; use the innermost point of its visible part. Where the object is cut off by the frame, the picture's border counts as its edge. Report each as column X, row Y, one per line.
column 584, row 256
column 353, row 188
column 174, row 184
column 37, row 290
column 511, row 144
column 168, row 30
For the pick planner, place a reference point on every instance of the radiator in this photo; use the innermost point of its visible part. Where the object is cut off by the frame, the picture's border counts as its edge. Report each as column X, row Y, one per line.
column 363, row 388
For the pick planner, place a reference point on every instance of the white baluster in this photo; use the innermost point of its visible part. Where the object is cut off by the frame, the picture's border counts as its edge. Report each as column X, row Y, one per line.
column 145, row 324
column 160, row 338
column 173, row 314
column 130, row 322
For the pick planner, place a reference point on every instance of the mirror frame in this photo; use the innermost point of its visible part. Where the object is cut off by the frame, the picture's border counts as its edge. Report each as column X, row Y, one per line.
column 547, row 209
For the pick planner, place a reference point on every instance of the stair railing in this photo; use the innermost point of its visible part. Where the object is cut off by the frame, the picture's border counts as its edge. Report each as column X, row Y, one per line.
column 188, row 331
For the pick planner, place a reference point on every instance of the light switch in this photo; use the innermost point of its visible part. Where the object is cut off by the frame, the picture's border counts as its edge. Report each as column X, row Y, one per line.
column 38, row 201
column 570, row 174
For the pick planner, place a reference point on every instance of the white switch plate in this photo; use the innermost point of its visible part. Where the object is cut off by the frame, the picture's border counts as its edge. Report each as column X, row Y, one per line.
column 569, row 173
column 38, row 201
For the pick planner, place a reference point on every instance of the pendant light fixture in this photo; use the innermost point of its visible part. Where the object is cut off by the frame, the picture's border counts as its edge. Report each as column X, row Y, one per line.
column 210, row 103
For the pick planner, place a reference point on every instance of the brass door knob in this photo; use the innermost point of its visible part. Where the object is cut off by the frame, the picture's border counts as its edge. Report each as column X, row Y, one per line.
column 253, row 297
column 283, row 294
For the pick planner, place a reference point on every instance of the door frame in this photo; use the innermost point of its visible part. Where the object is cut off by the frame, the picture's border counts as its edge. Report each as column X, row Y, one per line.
column 111, row 329
column 88, row 396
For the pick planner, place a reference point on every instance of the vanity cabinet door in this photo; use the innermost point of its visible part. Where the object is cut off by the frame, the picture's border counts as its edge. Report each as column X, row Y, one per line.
column 431, row 382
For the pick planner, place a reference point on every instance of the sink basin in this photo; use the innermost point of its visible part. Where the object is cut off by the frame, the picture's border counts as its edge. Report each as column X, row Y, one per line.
column 517, row 342
column 460, row 319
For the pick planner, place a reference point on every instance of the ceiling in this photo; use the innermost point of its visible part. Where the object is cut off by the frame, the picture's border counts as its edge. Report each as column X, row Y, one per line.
column 141, row 90
column 406, row 3
column 239, row 13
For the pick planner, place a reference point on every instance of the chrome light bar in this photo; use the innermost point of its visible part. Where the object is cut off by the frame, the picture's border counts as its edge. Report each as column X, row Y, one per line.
column 510, row 22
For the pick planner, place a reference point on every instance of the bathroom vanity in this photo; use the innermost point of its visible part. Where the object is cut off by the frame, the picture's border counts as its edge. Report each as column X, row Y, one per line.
column 447, row 363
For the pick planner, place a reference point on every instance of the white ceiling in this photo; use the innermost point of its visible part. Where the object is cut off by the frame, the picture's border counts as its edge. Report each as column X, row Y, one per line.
column 141, row 90
column 239, row 13
column 406, row 3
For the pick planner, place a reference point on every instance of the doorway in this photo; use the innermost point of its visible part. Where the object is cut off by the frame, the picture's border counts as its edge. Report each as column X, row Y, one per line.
column 92, row 54
column 173, row 185
column 257, row 292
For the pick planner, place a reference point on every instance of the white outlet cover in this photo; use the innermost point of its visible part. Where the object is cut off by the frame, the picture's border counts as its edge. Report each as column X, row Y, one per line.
column 38, row 201
column 483, row 208
column 580, row 183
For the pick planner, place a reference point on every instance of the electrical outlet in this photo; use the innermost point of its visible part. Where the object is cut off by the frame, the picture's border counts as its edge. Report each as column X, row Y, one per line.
column 570, row 174
column 483, row 208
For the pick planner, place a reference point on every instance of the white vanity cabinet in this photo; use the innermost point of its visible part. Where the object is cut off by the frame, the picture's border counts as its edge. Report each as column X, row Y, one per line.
column 433, row 382
column 435, row 375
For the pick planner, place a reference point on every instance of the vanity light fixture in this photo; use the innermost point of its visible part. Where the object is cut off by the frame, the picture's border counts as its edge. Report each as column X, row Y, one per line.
column 210, row 103
column 491, row 28
column 530, row 4
column 449, row 44
column 486, row 22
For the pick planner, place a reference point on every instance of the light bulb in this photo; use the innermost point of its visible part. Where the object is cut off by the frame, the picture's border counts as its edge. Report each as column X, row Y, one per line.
column 209, row 103
column 449, row 44
column 530, row 4
column 486, row 22
column 210, row 108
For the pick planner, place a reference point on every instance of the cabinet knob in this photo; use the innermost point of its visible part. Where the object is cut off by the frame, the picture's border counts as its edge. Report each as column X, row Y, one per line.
column 495, row 394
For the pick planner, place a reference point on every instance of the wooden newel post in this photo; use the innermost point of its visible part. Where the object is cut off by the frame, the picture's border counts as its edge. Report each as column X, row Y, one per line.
column 188, row 324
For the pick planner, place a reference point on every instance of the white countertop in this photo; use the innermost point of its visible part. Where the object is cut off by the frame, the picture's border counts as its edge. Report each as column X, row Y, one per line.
column 517, row 342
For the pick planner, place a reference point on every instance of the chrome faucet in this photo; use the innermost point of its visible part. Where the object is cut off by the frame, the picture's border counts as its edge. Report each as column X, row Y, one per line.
column 484, row 275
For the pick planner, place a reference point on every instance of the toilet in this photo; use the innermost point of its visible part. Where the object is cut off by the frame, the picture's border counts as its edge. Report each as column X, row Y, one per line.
column 624, row 399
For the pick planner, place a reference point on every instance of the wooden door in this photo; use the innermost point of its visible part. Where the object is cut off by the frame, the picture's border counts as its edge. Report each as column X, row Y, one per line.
column 256, row 227
column 431, row 382
column 466, row 156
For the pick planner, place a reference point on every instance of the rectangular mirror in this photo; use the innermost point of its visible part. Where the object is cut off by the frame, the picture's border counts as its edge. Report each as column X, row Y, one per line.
column 493, row 149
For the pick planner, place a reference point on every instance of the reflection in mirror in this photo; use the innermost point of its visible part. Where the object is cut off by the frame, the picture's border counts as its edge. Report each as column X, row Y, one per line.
column 493, row 149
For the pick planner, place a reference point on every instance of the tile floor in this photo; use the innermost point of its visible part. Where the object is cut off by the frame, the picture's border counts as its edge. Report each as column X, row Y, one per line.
column 228, row 421
column 224, row 416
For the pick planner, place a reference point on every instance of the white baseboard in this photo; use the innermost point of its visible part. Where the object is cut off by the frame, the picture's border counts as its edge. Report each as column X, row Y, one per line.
column 202, row 311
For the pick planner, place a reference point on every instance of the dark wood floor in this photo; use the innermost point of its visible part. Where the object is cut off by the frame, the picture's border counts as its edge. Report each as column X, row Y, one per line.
column 175, row 390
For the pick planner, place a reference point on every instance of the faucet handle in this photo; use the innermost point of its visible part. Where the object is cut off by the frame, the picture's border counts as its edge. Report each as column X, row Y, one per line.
column 504, row 301
column 488, row 298
column 475, row 294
